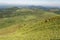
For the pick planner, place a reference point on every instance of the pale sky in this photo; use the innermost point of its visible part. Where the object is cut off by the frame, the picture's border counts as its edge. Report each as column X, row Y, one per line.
column 32, row 2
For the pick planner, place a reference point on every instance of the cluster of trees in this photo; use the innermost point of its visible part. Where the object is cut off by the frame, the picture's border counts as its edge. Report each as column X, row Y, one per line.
column 8, row 12
column 52, row 19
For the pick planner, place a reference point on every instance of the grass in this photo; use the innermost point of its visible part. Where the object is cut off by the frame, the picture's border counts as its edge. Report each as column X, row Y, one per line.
column 30, row 25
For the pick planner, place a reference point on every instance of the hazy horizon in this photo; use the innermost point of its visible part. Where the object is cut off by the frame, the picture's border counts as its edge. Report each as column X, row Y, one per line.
column 31, row 2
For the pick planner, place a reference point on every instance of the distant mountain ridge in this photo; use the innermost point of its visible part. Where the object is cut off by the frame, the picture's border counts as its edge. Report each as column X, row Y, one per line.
column 26, row 6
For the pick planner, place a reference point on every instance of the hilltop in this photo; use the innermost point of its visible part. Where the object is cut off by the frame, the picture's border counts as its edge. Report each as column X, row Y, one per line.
column 29, row 24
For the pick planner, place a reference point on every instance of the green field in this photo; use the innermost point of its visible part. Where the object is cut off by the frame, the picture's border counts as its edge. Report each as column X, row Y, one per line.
column 29, row 24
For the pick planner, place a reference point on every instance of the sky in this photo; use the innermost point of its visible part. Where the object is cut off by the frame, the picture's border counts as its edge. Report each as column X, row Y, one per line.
column 32, row 2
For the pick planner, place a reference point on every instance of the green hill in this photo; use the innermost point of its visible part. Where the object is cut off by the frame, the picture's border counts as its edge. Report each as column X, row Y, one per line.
column 29, row 24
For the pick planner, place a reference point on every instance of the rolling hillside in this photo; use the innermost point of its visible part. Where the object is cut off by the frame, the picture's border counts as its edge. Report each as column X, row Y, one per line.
column 29, row 24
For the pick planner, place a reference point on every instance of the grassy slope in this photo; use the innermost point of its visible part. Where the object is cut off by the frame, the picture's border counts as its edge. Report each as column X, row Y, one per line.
column 30, row 25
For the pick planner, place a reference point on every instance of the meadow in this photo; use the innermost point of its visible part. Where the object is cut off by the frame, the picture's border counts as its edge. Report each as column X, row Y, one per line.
column 29, row 24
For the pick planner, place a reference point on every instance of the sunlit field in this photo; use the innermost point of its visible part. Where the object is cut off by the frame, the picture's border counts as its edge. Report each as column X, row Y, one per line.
column 29, row 24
